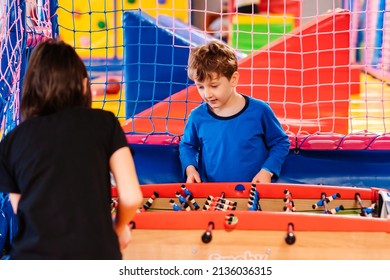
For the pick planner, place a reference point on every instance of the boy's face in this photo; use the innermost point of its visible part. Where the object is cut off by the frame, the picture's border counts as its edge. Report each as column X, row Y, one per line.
column 217, row 91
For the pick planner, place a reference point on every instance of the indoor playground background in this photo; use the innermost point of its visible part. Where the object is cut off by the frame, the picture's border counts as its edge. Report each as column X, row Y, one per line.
column 323, row 66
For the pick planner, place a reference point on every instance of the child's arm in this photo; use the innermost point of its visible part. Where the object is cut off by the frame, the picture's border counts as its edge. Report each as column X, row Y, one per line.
column 189, row 151
column 277, row 142
column 129, row 193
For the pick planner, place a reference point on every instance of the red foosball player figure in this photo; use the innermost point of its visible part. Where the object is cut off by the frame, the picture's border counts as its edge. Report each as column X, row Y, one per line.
column 148, row 203
column 289, row 203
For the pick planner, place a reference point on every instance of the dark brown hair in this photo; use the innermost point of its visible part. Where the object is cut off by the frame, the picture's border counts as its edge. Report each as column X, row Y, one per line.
column 54, row 80
column 214, row 57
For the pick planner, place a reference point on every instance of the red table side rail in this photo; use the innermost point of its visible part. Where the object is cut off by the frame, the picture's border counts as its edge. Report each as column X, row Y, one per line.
column 273, row 190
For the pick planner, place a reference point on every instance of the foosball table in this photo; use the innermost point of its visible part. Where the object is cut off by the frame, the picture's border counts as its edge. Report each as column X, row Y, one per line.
column 235, row 221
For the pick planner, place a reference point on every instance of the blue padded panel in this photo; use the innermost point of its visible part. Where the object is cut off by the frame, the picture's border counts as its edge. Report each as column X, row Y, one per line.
column 362, row 168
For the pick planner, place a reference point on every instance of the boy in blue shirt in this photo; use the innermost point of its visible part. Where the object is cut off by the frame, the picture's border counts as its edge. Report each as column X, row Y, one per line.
column 230, row 137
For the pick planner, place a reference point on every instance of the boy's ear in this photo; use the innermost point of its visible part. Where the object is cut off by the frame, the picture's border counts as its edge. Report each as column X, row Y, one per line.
column 234, row 79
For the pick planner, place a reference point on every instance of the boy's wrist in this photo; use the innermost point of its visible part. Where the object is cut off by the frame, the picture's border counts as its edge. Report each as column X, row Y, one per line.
column 190, row 168
column 265, row 169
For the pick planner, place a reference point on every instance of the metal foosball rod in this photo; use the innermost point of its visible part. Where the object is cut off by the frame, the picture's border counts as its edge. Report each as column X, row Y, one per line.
column 290, row 236
column 364, row 211
column 207, row 235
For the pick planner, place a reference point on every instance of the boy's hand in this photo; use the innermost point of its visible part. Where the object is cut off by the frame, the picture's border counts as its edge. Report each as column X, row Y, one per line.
column 192, row 175
column 124, row 236
column 263, row 177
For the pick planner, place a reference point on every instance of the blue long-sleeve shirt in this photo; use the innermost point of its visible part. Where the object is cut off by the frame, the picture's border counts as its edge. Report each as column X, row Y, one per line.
column 235, row 148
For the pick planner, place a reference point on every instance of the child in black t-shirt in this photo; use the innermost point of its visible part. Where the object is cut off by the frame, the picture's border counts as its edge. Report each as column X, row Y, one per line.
column 56, row 165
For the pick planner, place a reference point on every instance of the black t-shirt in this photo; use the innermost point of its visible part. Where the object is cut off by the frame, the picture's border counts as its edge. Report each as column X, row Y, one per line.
column 59, row 163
